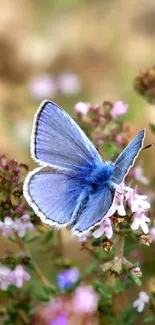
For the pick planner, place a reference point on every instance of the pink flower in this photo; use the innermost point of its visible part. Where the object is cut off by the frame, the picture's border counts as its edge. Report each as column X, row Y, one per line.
column 140, row 221
column 137, row 271
column 136, row 201
column 104, row 228
column 152, row 233
column 118, row 108
column 141, row 301
column 139, row 175
column 85, row 300
column 23, row 224
column 81, row 108
column 18, row 276
column 69, row 83
column 7, row 226
column 119, row 139
column 119, row 203
column 4, row 281
column 42, row 86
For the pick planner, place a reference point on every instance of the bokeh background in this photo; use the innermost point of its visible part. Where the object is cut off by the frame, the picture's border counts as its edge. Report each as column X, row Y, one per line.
column 69, row 51
column 91, row 49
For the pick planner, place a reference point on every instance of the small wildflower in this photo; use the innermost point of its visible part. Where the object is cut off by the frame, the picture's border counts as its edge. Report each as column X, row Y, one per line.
column 104, row 228
column 7, row 226
column 85, row 300
column 118, row 108
column 81, row 108
column 4, row 281
column 119, row 204
column 143, row 299
column 42, row 86
column 137, row 271
column 23, row 224
column 67, row 278
column 140, row 221
column 69, row 83
column 18, row 276
column 139, row 175
column 120, row 139
column 135, row 201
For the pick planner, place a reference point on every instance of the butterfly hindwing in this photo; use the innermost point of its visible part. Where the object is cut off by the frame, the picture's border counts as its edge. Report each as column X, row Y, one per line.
column 95, row 211
column 58, row 141
column 127, row 158
column 52, row 195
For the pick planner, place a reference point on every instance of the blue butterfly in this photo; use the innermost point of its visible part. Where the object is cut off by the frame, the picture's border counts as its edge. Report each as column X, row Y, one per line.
column 73, row 186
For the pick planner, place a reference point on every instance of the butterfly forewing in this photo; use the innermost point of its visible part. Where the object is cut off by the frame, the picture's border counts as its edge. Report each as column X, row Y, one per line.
column 127, row 158
column 58, row 141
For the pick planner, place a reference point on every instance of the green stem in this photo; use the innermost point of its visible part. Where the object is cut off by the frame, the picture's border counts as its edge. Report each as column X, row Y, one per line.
column 36, row 269
column 60, row 243
column 119, row 246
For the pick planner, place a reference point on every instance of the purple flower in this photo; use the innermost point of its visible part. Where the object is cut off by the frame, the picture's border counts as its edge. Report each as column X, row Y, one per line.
column 85, row 300
column 140, row 221
column 18, row 276
column 67, row 278
column 81, row 108
column 60, row 320
column 4, row 281
column 104, row 228
column 42, row 86
column 69, row 83
column 141, row 301
column 119, row 108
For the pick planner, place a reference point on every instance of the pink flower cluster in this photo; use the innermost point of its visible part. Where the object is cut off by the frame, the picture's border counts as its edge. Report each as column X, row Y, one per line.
column 66, row 309
column 119, row 108
column 14, row 277
column 47, row 86
column 18, row 225
column 126, row 197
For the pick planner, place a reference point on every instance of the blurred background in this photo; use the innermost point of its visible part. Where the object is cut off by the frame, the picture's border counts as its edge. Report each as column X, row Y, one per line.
column 66, row 51
column 70, row 51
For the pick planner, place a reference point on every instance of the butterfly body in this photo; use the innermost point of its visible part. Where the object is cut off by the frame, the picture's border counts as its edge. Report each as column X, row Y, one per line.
column 101, row 176
column 73, row 186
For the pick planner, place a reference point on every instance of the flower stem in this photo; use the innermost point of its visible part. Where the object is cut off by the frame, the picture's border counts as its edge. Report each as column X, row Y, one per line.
column 60, row 243
column 119, row 245
column 36, row 269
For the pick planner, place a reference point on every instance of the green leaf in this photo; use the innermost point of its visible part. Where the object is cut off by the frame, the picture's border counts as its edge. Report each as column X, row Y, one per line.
column 135, row 279
column 48, row 236
column 97, row 242
column 152, row 127
column 149, row 319
column 31, row 239
column 118, row 285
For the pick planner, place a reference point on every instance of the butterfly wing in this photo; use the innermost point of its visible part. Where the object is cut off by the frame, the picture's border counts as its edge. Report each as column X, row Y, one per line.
column 52, row 194
column 95, row 211
column 58, row 141
column 127, row 158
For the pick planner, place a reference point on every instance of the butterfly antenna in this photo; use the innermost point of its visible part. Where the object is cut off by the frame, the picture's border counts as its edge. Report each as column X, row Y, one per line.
column 148, row 146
